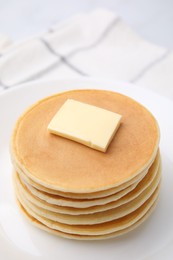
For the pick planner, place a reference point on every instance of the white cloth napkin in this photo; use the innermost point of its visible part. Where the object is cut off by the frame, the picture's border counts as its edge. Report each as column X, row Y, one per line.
column 4, row 43
column 97, row 44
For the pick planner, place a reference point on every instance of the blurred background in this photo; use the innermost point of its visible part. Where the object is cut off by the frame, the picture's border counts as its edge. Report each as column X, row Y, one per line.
column 152, row 19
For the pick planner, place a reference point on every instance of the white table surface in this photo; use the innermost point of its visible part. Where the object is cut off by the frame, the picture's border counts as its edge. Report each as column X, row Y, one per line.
column 152, row 19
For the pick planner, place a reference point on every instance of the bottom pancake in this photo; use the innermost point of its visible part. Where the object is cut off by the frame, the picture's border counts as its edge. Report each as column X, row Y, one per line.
column 38, row 224
column 97, row 229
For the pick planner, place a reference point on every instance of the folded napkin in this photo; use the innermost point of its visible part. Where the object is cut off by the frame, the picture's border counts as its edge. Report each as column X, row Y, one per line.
column 4, row 43
column 96, row 44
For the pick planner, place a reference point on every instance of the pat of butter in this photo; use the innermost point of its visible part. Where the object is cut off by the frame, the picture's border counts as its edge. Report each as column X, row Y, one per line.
column 90, row 125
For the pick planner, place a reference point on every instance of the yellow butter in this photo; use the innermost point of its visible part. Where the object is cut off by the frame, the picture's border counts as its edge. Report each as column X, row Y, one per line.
column 86, row 124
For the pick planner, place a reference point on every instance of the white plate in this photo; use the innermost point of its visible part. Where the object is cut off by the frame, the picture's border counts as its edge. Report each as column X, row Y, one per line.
column 20, row 240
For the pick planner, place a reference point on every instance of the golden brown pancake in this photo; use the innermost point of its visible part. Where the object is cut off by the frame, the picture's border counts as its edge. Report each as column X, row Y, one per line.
column 97, row 229
column 124, row 188
column 67, row 166
column 75, row 203
column 144, row 184
column 66, row 202
column 95, row 218
column 73, row 191
column 38, row 224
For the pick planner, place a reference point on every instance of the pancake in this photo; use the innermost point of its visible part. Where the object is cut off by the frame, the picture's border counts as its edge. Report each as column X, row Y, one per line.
column 60, row 164
column 125, row 188
column 77, row 211
column 66, row 202
column 38, row 224
column 73, row 191
column 57, row 200
column 98, row 229
column 95, row 218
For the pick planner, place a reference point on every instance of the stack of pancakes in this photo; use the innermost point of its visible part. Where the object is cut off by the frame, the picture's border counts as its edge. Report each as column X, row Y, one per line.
column 76, row 192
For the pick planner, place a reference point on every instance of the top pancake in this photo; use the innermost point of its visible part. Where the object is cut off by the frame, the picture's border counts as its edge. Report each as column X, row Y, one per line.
column 61, row 164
